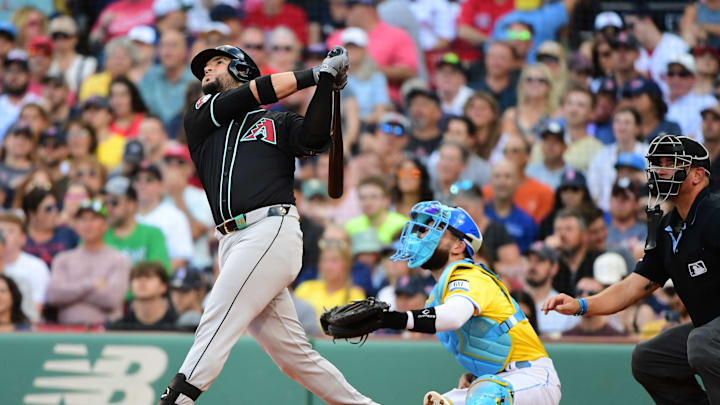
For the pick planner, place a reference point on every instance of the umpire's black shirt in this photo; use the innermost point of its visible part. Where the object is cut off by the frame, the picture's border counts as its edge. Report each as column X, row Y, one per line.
column 245, row 155
column 688, row 252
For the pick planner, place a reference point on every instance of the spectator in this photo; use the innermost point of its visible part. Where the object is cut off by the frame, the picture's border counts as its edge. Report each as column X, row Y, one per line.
column 177, row 169
column 707, row 61
column 133, row 156
column 519, row 35
column 504, row 183
column 12, row 317
column 56, row 100
column 577, row 107
column 527, row 306
column 367, row 249
column 45, row 237
column 285, row 50
column 544, row 22
column 452, row 158
column 477, row 19
column 460, row 130
column 150, row 308
column 66, row 62
column 38, row 178
column 171, row 15
column 7, row 38
column 120, row 58
column 127, row 107
column 711, row 141
column 391, row 47
column 411, row 185
column 436, row 23
column 425, row 113
column 450, row 81
column 685, row 105
column 140, row 242
column 626, row 49
column 163, row 87
column 535, row 104
column 75, row 194
column 624, row 230
column 657, row 47
column 230, row 16
column 410, row 293
column 143, row 40
column 389, row 140
column 154, row 210
column 571, row 240
column 98, row 113
column 484, row 112
column 592, row 325
column 271, row 14
column 31, row 273
column 211, row 35
column 35, row 116
column 375, row 202
column 552, row 55
column 31, row 22
column 542, row 268
column 365, row 80
column 335, row 285
column 90, row 172
column 312, row 230
column 118, row 18
column 606, row 100
column 699, row 22
column 16, row 156
column 498, row 246
column 88, row 283
column 499, row 79
column 154, row 138
column 252, row 41
column 646, row 97
column 552, row 167
column 81, row 139
column 601, row 173
column 15, row 84
column 52, row 153
column 187, row 291
column 40, row 53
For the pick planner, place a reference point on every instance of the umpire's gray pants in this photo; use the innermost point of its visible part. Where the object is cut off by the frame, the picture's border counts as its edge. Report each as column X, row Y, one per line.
column 666, row 365
column 256, row 266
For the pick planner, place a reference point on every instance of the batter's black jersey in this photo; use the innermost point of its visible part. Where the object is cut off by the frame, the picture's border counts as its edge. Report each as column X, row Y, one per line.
column 244, row 155
column 688, row 252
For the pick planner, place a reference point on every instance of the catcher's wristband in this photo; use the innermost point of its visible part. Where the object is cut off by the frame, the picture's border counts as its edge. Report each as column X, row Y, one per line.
column 583, row 307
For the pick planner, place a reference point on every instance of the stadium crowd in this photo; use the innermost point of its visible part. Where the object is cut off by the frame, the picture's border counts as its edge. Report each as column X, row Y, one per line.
column 534, row 116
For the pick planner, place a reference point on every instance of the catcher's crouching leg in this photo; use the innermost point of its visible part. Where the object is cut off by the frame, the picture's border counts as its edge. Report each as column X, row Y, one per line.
column 490, row 389
column 178, row 385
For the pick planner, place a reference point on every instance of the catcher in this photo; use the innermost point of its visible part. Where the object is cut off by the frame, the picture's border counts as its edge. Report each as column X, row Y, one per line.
column 469, row 310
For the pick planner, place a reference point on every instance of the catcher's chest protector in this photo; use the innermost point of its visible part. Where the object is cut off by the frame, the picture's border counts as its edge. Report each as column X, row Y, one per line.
column 481, row 345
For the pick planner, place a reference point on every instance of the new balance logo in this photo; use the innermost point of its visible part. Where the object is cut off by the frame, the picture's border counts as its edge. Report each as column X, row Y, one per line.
column 697, row 268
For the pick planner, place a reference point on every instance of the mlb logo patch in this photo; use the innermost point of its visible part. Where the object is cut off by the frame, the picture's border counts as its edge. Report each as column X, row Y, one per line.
column 697, row 268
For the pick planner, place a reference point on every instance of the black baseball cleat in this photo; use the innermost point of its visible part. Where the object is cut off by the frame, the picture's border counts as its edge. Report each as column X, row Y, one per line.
column 179, row 385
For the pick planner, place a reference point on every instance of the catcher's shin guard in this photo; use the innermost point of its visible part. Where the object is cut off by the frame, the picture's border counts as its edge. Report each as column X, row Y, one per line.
column 490, row 389
column 178, row 385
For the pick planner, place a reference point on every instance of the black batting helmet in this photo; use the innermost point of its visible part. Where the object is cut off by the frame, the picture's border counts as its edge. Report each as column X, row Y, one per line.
column 242, row 68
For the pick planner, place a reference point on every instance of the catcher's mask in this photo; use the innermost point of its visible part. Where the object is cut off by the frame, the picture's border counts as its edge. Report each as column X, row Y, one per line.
column 669, row 160
column 428, row 222
column 241, row 67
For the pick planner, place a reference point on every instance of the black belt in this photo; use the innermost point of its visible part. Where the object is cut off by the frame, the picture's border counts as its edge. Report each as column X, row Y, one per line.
column 240, row 222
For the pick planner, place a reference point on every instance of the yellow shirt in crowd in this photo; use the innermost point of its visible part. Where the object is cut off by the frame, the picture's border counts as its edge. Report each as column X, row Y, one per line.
column 316, row 294
column 110, row 151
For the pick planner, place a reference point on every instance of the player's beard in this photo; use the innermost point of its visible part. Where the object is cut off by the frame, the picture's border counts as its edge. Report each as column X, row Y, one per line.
column 438, row 260
column 219, row 84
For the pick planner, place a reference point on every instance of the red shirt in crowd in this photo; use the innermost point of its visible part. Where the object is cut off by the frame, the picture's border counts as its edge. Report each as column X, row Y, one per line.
column 290, row 16
column 482, row 14
column 125, row 15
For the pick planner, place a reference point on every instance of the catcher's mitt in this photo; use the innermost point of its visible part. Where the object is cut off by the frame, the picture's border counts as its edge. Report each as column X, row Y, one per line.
column 357, row 319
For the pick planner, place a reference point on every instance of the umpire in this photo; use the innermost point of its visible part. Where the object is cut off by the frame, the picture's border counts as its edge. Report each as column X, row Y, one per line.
column 687, row 251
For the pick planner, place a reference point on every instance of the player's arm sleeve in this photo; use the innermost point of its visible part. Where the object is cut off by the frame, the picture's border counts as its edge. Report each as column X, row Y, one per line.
column 453, row 313
column 651, row 266
column 229, row 105
column 311, row 135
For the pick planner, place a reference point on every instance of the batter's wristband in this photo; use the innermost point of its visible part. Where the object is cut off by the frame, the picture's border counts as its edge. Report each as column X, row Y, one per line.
column 304, row 78
column 583, row 307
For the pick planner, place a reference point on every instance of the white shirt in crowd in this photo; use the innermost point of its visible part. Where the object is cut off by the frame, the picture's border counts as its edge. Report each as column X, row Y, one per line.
column 175, row 226
column 601, row 173
column 455, row 107
column 80, row 68
column 197, row 203
column 553, row 322
column 549, row 177
column 436, row 19
column 34, row 270
column 686, row 112
column 656, row 64
column 11, row 112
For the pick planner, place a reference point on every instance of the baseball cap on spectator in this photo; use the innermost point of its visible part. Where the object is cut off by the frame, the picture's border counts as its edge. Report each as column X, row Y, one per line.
column 554, row 129
column 52, row 135
column 625, row 40
column 410, row 286
column 317, row 50
column 177, row 150
column 608, row 19
column 609, row 268
column 453, row 60
column 147, row 167
column 56, row 79
column 627, row 187
column 715, row 110
column 17, row 56
column 686, row 60
column 95, row 206
column 354, row 36
column 549, row 51
column 40, row 45
column 215, row 27
column 543, row 251
column 703, row 49
column 314, row 188
column 419, row 92
column 394, row 123
column 20, row 127
column 63, row 24
column 186, row 279
column 120, row 186
column 8, row 29
column 580, row 64
column 222, row 12
column 572, row 178
column 134, row 152
column 639, row 86
column 366, row 242
column 631, row 160
column 607, row 86
column 95, row 101
column 162, row 8
column 143, row 34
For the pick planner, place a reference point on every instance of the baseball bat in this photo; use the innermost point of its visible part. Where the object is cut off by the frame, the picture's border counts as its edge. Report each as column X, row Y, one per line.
column 336, row 171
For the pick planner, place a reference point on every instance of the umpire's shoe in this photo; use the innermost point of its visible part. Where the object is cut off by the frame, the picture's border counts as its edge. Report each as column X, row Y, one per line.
column 179, row 385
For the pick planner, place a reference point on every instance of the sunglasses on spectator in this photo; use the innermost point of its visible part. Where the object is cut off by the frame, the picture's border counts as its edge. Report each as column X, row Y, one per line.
column 146, row 179
column 325, row 243
column 112, row 202
column 588, row 293
column 392, row 129
column 513, row 151
column 286, row 48
column 86, row 173
column 574, row 189
column 405, row 173
column 49, row 208
column 519, row 35
column 680, row 73
column 462, row 185
column 531, row 79
column 547, row 58
column 174, row 162
column 60, row 35
column 257, row 47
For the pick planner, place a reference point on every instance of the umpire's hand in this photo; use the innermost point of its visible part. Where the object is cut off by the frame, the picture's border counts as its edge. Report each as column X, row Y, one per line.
column 336, row 63
column 563, row 304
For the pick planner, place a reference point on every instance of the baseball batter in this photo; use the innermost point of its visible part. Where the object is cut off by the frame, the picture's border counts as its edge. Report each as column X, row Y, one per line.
column 245, row 157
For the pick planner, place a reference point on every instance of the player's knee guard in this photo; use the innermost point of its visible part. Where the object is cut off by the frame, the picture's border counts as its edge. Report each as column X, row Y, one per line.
column 179, row 385
column 489, row 389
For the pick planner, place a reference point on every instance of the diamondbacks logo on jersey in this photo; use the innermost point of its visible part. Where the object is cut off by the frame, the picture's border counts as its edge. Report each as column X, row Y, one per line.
column 201, row 101
column 264, row 128
column 462, row 285
column 697, row 268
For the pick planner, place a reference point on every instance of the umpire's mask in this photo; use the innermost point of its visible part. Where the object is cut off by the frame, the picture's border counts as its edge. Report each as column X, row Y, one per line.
column 669, row 160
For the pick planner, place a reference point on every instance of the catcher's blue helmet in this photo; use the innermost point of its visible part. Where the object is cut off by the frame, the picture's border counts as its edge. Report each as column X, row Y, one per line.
column 241, row 67
column 432, row 219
